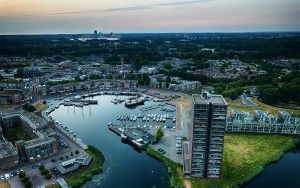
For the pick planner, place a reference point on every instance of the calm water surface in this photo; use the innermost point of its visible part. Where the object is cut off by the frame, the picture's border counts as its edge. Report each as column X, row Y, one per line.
column 124, row 166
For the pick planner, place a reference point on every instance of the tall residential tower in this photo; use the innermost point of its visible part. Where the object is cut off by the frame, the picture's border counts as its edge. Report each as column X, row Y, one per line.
column 205, row 148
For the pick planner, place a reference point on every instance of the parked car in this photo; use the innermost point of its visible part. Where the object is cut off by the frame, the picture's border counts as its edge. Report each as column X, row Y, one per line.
column 7, row 176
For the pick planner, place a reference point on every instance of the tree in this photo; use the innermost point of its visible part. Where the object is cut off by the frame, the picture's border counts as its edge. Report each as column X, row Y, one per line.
column 25, row 179
column 22, row 174
column 28, row 184
column 48, row 176
column 159, row 134
column 168, row 79
column 168, row 66
column 41, row 167
column 29, row 107
column 20, row 73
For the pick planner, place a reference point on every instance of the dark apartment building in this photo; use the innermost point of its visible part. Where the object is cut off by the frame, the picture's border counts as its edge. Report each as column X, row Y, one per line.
column 206, row 136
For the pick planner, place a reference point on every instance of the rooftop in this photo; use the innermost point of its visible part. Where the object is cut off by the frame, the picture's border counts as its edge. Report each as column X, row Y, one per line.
column 34, row 121
column 214, row 99
column 38, row 141
column 7, row 149
column 9, row 92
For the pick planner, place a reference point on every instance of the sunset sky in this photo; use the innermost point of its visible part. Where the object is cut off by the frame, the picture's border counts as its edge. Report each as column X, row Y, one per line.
column 83, row 16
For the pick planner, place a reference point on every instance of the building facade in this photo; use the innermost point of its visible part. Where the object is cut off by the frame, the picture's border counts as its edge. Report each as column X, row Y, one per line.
column 42, row 145
column 207, row 135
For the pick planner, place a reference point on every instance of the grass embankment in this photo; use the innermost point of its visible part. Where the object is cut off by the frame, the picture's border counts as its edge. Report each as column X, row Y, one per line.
column 236, row 104
column 245, row 156
column 84, row 175
column 174, row 169
column 6, row 107
column 40, row 106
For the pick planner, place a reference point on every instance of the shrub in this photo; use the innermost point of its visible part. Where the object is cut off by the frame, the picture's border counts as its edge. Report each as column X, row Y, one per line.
column 48, row 176
column 25, row 179
column 44, row 172
column 22, row 174
column 28, row 184
column 159, row 134
column 41, row 167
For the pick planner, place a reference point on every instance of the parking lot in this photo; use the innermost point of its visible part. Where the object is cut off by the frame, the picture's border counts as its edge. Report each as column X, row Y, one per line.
column 170, row 145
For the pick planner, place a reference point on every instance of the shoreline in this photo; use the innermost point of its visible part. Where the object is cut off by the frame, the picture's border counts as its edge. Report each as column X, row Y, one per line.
column 272, row 161
column 177, row 179
column 83, row 176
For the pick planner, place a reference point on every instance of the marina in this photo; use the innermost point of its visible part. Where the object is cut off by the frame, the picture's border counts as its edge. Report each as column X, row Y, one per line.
column 90, row 123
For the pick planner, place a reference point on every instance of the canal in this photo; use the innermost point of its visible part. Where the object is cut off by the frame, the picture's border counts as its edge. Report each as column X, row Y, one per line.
column 124, row 166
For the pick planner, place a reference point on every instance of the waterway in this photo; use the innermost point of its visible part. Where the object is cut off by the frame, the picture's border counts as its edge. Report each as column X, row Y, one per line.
column 124, row 166
column 284, row 173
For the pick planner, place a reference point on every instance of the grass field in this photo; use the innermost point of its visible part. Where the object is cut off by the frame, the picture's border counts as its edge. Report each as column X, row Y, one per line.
column 245, row 156
column 260, row 106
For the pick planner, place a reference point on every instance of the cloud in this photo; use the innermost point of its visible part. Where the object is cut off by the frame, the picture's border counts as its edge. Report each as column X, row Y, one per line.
column 141, row 7
column 121, row 9
column 183, row 2
column 134, row 8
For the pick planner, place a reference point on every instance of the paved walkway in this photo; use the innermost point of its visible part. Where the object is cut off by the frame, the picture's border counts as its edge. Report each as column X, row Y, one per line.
column 179, row 117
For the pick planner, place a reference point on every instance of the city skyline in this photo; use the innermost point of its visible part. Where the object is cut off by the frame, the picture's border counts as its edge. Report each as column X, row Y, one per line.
column 51, row 17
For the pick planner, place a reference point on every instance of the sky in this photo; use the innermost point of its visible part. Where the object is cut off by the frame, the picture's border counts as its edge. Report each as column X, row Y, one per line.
column 126, row 16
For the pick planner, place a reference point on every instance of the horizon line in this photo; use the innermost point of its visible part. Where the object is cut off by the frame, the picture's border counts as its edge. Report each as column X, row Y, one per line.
column 200, row 32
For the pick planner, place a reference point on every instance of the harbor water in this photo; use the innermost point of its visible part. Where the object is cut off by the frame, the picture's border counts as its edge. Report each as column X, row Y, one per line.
column 124, row 166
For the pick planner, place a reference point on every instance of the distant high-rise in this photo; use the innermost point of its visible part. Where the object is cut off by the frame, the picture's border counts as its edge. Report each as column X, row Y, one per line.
column 95, row 34
column 207, row 137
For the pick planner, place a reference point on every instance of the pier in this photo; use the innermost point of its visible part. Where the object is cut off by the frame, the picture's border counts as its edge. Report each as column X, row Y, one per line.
column 135, row 136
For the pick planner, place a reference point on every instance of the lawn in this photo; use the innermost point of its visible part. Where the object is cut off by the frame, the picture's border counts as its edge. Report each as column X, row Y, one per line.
column 80, row 177
column 260, row 106
column 245, row 156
